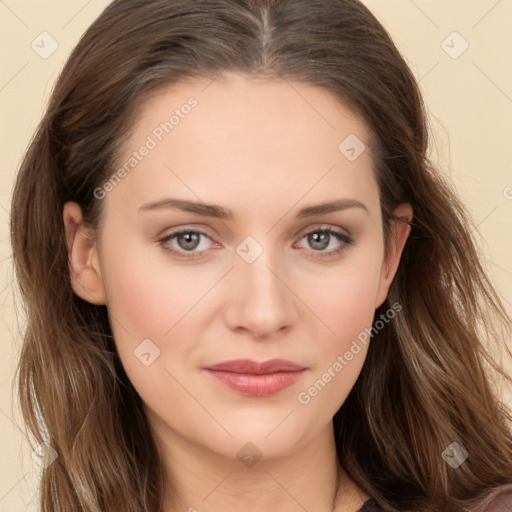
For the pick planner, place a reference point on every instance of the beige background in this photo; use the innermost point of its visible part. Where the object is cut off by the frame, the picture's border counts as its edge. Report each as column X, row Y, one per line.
column 469, row 100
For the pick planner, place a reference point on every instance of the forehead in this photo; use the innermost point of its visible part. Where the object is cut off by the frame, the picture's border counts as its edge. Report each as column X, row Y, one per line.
column 238, row 109
column 254, row 136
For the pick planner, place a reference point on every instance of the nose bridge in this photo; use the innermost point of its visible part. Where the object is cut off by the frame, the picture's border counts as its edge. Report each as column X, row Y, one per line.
column 262, row 304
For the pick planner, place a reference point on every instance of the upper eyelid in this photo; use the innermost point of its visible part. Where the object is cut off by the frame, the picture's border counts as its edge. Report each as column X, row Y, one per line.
column 319, row 226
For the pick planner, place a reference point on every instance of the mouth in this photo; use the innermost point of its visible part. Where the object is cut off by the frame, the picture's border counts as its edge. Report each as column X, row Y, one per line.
column 257, row 379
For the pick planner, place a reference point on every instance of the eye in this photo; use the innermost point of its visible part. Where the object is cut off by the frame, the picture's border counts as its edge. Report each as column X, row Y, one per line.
column 187, row 240
column 321, row 238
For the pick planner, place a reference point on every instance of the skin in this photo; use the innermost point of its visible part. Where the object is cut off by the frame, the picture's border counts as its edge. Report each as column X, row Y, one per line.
column 263, row 149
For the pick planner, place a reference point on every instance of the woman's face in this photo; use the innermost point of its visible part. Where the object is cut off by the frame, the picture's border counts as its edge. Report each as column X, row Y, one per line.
column 253, row 277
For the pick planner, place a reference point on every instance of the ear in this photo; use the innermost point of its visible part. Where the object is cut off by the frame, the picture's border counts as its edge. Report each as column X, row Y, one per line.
column 400, row 230
column 83, row 257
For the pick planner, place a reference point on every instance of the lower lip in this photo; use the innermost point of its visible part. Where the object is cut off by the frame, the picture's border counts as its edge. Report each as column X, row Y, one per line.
column 257, row 385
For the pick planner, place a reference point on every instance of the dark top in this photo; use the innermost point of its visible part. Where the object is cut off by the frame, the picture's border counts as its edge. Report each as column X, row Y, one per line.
column 370, row 506
column 503, row 502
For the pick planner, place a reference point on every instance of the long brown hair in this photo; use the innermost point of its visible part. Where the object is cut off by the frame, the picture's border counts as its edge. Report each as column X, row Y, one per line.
column 424, row 384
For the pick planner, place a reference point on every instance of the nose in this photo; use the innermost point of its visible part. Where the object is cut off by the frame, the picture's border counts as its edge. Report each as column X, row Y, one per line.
column 261, row 300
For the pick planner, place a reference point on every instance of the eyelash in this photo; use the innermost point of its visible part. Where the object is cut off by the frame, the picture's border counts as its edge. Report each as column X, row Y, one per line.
column 342, row 237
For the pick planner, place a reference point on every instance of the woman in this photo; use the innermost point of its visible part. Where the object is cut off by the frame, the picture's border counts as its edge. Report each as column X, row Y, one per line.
column 245, row 282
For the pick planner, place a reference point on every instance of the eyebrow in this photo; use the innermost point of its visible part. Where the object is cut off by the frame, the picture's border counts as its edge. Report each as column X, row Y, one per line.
column 212, row 210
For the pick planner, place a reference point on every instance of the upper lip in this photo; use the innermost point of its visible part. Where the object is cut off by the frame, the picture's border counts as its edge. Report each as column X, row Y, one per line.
column 255, row 367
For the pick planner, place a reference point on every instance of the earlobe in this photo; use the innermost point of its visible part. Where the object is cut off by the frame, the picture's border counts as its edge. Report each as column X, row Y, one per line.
column 83, row 260
column 400, row 230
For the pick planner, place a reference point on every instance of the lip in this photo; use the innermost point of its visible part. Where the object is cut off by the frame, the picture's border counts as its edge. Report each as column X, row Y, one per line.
column 257, row 378
column 255, row 367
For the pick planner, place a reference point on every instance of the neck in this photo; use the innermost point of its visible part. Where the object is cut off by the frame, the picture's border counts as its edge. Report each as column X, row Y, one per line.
column 309, row 479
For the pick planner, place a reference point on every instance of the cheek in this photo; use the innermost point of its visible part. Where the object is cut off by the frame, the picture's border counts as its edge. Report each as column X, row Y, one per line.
column 151, row 311
column 159, row 308
column 344, row 298
column 348, row 310
column 146, row 293
column 344, row 304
